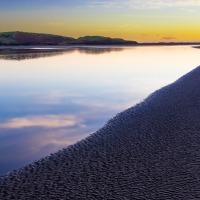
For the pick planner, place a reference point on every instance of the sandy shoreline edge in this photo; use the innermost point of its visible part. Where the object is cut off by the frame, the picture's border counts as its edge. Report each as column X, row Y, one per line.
column 150, row 151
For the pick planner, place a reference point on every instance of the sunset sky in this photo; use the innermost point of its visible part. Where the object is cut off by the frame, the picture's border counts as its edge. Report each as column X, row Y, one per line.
column 143, row 21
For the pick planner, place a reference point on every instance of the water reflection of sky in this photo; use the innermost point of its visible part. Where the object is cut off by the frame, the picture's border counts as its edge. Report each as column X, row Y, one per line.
column 56, row 99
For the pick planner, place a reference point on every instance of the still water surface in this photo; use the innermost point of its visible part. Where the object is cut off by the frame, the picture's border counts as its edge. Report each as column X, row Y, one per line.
column 51, row 99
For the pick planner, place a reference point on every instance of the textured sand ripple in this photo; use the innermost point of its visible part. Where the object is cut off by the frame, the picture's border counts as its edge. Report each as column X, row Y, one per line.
column 150, row 151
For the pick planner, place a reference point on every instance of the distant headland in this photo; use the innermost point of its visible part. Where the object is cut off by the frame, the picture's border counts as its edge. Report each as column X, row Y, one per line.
column 24, row 38
column 18, row 38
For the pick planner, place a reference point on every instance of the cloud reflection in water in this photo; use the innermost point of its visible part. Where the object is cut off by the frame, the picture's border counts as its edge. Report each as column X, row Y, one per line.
column 49, row 121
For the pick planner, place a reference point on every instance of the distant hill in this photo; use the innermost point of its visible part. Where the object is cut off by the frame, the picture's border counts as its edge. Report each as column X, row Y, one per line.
column 24, row 38
column 99, row 40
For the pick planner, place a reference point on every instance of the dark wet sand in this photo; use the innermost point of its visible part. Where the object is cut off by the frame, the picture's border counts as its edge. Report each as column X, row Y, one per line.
column 150, row 151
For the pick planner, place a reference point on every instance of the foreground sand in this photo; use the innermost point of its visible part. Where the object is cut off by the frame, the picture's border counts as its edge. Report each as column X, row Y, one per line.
column 150, row 151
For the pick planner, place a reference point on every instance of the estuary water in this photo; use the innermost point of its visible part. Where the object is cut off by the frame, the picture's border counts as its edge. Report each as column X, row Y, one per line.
column 51, row 98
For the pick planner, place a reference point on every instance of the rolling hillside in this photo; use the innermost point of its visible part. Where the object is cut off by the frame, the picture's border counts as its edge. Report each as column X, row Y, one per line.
column 23, row 38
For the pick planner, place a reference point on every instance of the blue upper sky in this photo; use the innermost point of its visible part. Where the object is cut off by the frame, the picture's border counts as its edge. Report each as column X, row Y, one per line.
column 21, row 4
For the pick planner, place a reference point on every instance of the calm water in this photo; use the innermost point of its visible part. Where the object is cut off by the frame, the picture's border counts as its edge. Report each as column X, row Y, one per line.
column 51, row 99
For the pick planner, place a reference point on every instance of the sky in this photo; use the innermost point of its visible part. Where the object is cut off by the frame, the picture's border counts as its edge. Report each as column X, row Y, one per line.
column 139, row 20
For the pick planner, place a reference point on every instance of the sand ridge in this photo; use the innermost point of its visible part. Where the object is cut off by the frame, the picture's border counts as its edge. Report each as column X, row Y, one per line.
column 150, row 151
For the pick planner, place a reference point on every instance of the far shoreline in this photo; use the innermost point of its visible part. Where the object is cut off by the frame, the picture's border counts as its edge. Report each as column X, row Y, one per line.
column 93, row 46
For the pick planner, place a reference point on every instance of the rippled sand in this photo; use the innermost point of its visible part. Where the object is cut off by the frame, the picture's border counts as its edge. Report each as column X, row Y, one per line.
column 150, row 151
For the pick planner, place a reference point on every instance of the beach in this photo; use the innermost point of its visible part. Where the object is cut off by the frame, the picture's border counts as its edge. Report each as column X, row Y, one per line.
column 150, row 151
